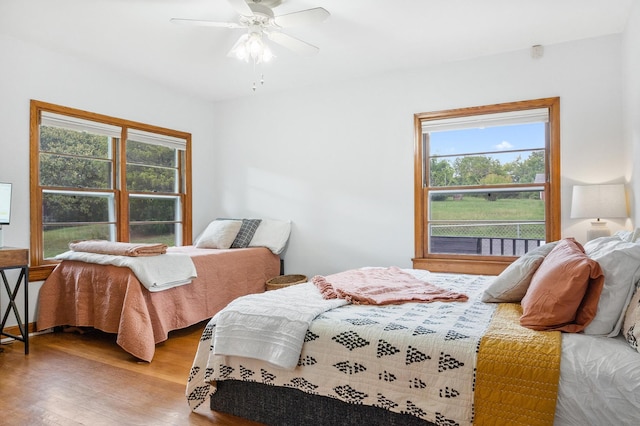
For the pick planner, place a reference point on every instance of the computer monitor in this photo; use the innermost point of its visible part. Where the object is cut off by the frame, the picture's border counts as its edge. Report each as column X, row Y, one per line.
column 5, row 203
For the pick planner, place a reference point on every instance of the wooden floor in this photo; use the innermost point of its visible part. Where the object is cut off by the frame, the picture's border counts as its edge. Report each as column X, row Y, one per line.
column 87, row 379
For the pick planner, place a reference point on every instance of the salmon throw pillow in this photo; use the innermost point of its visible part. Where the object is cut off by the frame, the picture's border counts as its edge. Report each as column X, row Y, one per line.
column 564, row 291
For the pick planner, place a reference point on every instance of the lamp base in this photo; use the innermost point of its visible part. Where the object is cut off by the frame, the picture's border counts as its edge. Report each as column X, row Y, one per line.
column 598, row 229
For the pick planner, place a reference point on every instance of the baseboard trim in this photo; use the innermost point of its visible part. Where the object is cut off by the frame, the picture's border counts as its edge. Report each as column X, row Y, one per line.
column 15, row 330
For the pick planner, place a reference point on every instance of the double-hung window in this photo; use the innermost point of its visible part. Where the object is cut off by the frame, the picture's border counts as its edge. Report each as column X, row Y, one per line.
column 486, row 185
column 99, row 177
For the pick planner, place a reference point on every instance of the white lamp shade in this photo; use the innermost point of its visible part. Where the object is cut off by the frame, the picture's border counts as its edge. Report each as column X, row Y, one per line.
column 596, row 201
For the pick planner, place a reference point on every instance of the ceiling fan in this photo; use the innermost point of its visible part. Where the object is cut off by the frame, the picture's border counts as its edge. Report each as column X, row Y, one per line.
column 258, row 18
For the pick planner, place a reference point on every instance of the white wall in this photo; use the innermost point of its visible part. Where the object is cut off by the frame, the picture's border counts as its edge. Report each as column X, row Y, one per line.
column 337, row 159
column 29, row 72
column 631, row 98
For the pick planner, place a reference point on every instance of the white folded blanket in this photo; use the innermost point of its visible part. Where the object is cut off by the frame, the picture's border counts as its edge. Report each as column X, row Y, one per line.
column 156, row 273
column 270, row 326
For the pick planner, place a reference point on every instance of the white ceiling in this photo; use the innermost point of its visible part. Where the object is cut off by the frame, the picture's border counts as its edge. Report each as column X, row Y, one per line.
column 361, row 38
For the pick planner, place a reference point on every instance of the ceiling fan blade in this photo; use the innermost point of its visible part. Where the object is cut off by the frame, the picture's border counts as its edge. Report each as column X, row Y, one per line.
column 200, row 23
column 241, row 7
column 303, row 17
column 292, row 43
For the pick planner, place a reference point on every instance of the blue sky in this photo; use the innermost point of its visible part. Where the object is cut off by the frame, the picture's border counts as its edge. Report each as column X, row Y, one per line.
column 489, row 139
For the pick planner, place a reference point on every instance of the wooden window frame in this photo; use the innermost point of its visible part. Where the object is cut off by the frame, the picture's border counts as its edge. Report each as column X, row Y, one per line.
column 478, row 264
column 40, row 268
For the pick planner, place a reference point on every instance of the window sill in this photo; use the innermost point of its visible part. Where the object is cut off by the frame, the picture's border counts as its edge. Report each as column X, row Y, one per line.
column 40, row 273
column 478, row 265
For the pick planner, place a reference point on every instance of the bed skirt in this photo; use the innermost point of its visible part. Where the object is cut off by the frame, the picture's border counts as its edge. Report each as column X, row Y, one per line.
column 274, row 405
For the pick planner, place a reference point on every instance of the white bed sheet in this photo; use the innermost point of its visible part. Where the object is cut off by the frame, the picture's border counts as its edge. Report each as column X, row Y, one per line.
column 599, row 382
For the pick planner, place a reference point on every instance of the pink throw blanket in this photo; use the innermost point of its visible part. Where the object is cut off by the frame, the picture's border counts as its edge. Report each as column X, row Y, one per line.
column 382, row 286
column 118, row 248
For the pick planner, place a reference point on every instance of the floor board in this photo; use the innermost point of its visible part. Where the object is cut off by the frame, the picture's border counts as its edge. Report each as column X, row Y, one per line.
column 73, row 379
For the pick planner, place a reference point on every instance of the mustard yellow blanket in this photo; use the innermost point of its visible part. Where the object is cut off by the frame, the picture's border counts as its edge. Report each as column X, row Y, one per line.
column 517, row 372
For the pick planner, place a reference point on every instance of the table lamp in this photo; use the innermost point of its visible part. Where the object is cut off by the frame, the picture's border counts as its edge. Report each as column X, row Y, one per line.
column 596, row 202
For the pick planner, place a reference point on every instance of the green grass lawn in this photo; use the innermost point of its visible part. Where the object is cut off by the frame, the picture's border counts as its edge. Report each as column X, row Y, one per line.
column 57, row 241
column 481, row 209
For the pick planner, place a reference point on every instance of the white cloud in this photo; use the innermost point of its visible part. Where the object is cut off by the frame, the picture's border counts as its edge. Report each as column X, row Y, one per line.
column 504, row 145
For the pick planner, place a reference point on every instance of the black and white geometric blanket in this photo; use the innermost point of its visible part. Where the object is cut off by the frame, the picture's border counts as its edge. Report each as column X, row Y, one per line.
column 414, row 358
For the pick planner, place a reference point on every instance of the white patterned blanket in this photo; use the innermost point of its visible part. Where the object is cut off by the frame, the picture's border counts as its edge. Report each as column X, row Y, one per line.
column 415, row 358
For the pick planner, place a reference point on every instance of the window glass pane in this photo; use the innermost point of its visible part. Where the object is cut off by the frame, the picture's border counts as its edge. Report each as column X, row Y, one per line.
column 487, row 205
column 75, row 172
column 151, row 168
column 151, row 179
column 483, row 246
column 523, row 230
column 153, row 209
column 490, row 169
column 488, row 139
column 77, row 207
column 486, row 223
column 153, row 232
column 473, row 218
column 154, row 155
column 56, row 238
column 72, row 142
column 75, row 159
column 162, row 212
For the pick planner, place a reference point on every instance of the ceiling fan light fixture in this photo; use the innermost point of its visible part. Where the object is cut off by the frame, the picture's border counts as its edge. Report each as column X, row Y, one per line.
column 267, row 55
column 241, row 53
column 255, row 46
column 258, row 18
column 252, row 48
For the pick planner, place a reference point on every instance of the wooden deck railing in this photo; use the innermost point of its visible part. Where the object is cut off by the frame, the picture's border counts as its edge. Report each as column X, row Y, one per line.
column 485, row 246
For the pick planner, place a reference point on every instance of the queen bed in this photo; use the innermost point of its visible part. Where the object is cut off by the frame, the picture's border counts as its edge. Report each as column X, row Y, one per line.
column 451, row 362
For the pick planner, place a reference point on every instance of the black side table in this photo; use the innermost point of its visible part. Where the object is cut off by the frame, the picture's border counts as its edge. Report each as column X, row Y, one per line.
column 16, row 258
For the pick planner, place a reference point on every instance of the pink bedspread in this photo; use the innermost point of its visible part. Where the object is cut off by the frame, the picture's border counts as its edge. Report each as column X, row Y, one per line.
column 111, row 298
column 382, row 286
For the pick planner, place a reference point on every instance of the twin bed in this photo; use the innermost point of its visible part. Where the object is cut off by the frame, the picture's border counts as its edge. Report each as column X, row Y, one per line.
column 143, row 296
column 112, row 299
column 443, row 362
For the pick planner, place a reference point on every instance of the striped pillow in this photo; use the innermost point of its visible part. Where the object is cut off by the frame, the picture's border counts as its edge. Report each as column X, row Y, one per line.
column 246, row 232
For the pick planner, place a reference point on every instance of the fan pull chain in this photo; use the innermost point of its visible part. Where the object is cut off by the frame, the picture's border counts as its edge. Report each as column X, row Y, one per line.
column 255, row 71
column 255, row 86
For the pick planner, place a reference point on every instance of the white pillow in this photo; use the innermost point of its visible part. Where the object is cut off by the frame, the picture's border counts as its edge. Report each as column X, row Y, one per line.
column 629, row 236
column 620, row 262
column 219, row 234
column 512, row 284
column 272, row 234
column 624, row 235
